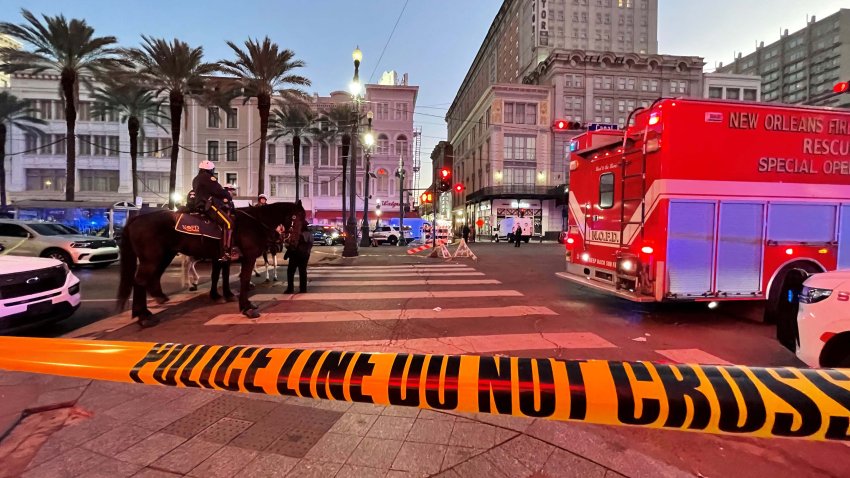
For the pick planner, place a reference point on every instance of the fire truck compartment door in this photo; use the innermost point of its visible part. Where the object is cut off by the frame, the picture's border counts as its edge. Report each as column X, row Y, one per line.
column 739, row 248
column 690, row 247
column 844, row 238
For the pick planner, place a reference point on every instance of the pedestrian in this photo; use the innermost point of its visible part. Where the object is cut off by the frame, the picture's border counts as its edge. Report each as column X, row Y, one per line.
column 518, row 235
column 465, row 233
column 472, row 235
column 298, row 257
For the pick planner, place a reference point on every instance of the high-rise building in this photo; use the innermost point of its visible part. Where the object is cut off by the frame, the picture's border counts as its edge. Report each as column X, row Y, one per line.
column 802, row 67
column 7, row 42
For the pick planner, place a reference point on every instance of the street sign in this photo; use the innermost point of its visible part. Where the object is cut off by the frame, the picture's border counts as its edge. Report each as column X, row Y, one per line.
column 600, row 126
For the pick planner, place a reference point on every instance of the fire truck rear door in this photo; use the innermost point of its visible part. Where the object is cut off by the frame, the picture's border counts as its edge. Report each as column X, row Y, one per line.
column 844, row 238
column 690, row 247
column 740, row 247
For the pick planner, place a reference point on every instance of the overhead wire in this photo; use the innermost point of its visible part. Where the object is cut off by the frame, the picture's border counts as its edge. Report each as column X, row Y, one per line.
column 378, row 63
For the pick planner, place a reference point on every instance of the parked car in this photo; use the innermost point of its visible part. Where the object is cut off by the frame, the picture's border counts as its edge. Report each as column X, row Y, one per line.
column 327, row 235
column 56, row 241
column 35, row 291
column 390, row 235
column 823, row 320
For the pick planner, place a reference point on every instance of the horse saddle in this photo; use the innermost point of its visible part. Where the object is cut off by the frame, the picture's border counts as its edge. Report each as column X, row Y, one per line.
column 198, row 225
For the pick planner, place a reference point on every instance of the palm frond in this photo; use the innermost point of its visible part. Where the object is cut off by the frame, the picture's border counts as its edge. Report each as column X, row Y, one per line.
column 262, row 67
column 19, row 113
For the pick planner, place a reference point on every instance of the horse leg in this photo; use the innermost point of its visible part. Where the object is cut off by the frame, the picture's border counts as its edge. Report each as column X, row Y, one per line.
column 194, row 277
column 140, row 296
column 229, row 296
column 216, row 271
column 154, row 285
column 266, row 261
column 274, row 260
column 245, row 306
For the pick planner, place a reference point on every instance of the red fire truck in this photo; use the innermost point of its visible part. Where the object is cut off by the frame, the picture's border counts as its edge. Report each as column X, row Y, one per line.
column 703, row 200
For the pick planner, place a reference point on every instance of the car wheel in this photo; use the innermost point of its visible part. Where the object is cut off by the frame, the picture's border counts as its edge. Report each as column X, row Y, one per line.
column 393, row 240
column 835, row 353
column 59, row 255
column 329, row 241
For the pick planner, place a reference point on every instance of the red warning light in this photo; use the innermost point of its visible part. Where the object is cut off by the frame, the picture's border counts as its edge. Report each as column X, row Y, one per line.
column 842, row 87
column 458, row 187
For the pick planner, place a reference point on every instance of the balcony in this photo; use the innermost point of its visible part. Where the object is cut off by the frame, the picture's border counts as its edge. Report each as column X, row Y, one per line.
column 516, row 191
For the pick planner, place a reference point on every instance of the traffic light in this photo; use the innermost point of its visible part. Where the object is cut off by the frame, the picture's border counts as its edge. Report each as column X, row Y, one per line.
column 564, row 125
column 426, row 198
column 445, row 179
column 842, row 87
column 459, row 188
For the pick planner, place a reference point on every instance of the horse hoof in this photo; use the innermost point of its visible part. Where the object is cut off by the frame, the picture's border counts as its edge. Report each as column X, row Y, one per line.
column 256, row 274
column 266, row 281
column 148, row 321
column 193, row 288
column 251, row 286
column 251, row 313
column 252, row 305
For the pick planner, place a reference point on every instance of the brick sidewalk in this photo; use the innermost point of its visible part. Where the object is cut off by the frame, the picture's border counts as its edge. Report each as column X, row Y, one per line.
column 117, row 429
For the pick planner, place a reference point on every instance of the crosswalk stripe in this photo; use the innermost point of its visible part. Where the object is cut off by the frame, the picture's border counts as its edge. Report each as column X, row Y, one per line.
column 467, row 344
column 405, row 267
column 692, row 356
column 315, row 273
column 413, row 294
column 385, row 314
column 402, row 282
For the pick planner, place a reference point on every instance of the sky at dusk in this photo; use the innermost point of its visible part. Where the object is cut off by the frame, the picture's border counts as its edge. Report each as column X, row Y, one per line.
column 435, row 41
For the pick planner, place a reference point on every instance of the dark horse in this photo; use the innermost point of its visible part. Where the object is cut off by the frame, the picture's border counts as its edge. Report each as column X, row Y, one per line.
column 152, row 240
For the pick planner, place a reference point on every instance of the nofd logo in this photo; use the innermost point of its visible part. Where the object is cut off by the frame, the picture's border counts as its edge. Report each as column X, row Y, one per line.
column 191, row 228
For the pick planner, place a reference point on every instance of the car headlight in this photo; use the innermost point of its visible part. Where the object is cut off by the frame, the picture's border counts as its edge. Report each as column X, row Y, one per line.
column 334, row 235
column 78, row 245
column 811, row 295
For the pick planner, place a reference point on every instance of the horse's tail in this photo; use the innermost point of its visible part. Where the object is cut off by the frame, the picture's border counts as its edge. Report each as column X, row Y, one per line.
column 128, row 270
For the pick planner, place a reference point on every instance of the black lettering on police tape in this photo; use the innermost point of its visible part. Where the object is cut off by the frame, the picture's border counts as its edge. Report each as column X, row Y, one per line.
column 159, row 373
column 575, row 383
column 363, row 367
column 155, row 354
column 306, row 377
column 626, row 406
column 405, row 390
column 286, row 370
column 208, row 366
column 331, row 380
column 783, row 423
column 224, row 366
column 494, row 383
column 677, row 391
column 839, row 427
column 434, row 378
column 260, row 361
column 532, row 388
column 730, row 413
column 233, row 379
column 185, row 375
column 171, row 373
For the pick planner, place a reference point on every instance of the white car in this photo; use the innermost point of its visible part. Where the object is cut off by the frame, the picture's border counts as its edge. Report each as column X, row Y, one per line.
column 391, row 235
column 56, row 241
column 35, row 291
column 823, row 320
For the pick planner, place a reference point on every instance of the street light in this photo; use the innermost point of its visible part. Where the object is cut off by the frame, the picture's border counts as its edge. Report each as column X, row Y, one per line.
column 350, row 248
column 369, row 141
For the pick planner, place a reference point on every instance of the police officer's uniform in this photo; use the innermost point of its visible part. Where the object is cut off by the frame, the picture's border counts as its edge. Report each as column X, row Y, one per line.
column 216, row 203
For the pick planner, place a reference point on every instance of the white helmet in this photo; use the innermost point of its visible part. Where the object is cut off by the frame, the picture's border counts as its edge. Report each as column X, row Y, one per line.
column 263, row 196
column 207, row 165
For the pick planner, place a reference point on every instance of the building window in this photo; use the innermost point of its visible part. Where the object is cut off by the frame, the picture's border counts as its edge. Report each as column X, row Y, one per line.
column 383, row 111
column 83, row 111
column 271, row 153
column 653, row 85
column 212, row 150
column 152, row 181
column 382, row 181
column 231, row 179
column 58, row 144
column 715, row 92
column 282, row 187
column 231, row 150
column 606, row 191
column 305, row 152
column 98, row 180
column 232, row 119
column 45, row 179
column 213, row 118
column 325, row 154
column 84, row 145
column 521, row 113
column 401, row 146
column 383, row 145
column 750, row 94
column 678, row 86
column 288, row 154
column 520, row 148
column 401, row 111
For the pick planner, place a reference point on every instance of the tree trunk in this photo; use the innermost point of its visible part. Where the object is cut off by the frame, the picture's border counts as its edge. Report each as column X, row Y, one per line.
column 67, row 81
column 133, row 129
column 2, row 166
column 296, row 147
column 264, row 104
column 176, row 110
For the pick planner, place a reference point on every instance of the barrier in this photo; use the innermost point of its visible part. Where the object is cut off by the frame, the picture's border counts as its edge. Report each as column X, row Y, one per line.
column 424, row 247
column 764, row 402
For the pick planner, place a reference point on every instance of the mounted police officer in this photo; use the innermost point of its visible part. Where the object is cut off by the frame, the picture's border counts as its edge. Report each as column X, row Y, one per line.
column 216, row 202
column 262, row 200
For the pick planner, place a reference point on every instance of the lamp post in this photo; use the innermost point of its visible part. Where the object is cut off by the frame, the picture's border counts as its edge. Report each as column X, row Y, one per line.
column 369, row 142
column 350, row 248
column 400, row 174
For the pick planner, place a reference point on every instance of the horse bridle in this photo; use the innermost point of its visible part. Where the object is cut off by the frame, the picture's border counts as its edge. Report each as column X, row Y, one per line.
column 273, row 230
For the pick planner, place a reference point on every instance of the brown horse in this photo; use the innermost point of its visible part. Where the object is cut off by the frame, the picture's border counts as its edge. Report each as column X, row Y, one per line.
column 152, row 241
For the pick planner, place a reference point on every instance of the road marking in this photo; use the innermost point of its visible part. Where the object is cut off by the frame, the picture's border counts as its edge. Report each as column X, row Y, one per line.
column 475, row 344
column 315, row 273
column 692, row 356
column 414, row 294
column 368, row 283
column 405, row 267
column 387, row 314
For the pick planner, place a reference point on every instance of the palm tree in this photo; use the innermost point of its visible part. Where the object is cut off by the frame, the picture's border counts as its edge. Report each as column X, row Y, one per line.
column 19, row 114
column 334, row 124
column 298, row 121
column 175, row 69
column 63, row 47
column 263, row 69
column 133, row 102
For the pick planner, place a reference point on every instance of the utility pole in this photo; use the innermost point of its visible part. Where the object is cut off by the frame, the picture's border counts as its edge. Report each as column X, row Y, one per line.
column 400, row 175
column 369, row 141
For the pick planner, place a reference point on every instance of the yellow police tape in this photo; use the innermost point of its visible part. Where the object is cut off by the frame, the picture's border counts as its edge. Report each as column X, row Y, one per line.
column 766, row 402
